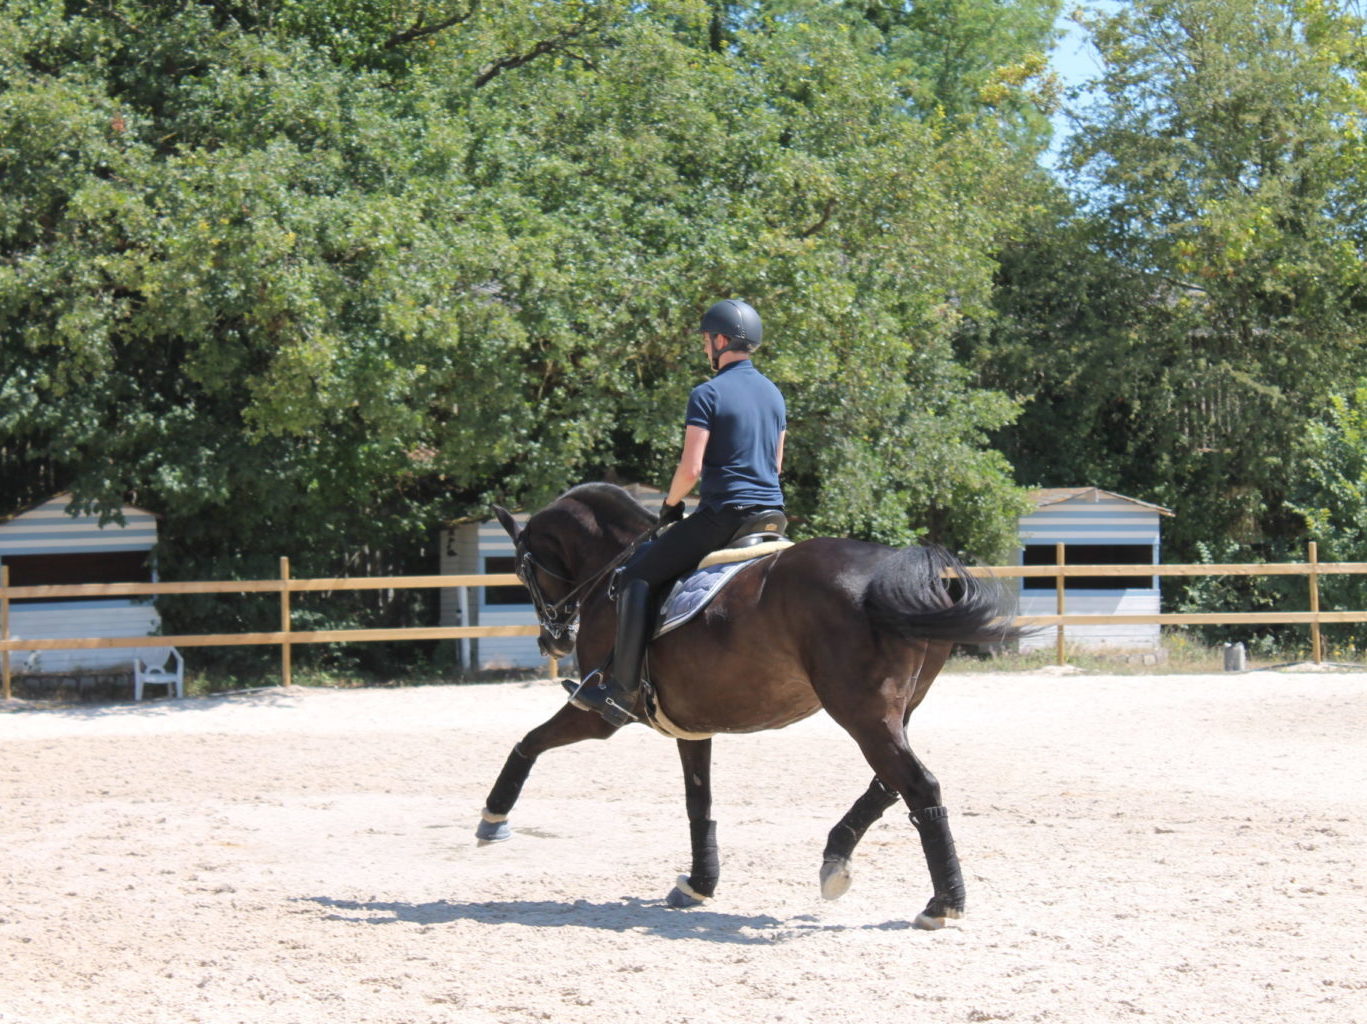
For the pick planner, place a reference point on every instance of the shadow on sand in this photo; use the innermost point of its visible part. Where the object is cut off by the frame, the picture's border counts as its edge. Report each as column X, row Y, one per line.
column 646, row 916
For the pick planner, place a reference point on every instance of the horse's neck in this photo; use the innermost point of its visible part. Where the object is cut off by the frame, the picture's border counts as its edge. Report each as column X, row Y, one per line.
column 594, row 534
column 599, row 552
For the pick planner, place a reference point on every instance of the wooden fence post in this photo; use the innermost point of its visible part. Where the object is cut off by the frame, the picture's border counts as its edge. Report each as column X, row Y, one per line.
column 285, row 621
column 1316, row 642
column 4, row 626
column 1060, row 602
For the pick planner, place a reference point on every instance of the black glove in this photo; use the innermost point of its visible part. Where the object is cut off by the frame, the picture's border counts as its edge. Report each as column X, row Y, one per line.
column 671, row 513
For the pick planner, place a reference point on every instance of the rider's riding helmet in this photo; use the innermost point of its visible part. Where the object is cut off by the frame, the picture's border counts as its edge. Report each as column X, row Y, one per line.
column 738, row 321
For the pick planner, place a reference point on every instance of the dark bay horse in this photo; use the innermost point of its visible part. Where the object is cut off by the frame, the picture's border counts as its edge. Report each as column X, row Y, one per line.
column 858, row 629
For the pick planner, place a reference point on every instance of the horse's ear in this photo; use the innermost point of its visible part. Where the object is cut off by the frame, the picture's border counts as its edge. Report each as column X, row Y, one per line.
column 505, row 517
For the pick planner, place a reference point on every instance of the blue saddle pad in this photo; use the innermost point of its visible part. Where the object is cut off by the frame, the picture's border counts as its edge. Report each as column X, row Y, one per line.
column 691, row 593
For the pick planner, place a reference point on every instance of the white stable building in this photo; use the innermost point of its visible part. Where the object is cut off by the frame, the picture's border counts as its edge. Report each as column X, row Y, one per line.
column 1095, row 527
column 45, row 545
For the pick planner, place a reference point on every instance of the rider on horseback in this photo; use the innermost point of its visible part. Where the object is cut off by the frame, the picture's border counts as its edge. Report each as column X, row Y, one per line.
column 734, row 431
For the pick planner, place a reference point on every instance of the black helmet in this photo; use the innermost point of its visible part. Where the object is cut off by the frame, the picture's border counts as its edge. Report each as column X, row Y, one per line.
column 738, row 321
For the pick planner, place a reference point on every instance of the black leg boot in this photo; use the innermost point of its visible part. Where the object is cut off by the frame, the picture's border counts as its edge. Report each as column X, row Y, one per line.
column 614, row 695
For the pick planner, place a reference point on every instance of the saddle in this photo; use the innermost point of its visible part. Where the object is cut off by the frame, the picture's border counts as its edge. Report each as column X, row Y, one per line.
column 758, row 529
column 757, row 537
column 760, row 535
column 764, row 530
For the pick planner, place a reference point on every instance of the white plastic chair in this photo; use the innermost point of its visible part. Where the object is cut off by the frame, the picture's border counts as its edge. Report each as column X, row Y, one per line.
column 161, row 675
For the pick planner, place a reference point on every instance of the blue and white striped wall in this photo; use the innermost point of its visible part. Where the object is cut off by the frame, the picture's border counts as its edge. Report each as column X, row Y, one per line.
column 1089, row 515
column 47, row 529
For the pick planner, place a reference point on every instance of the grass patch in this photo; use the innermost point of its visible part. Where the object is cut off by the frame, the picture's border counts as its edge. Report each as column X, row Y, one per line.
column 1179, row 652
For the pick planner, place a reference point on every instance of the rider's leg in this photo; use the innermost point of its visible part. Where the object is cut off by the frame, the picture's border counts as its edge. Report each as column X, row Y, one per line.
column 614, row 695
column 612, row 691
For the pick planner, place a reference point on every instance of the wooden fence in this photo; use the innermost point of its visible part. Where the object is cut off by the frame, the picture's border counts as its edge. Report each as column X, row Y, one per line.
column 1312, row 569
column 286, row 637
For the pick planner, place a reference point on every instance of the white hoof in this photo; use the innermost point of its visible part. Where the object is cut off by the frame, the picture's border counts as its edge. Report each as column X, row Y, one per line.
column 493, row 828
column 931, row 924
column 683, row 896
column 835, row 878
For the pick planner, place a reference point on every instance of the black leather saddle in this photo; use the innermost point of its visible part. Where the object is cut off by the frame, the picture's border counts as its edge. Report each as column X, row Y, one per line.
column 760, row 528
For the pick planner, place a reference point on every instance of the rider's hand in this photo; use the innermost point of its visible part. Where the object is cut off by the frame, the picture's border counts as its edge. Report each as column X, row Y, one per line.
column 671, row 513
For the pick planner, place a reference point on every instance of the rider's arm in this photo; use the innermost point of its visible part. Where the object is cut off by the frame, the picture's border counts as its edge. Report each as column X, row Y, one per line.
column 783, row 436
column 688, row 471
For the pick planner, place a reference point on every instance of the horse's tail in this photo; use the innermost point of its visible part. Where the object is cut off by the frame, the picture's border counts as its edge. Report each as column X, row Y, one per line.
column 925, row 593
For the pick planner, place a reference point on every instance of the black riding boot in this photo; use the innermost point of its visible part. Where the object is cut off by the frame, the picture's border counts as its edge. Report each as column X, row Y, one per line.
column 614, row 695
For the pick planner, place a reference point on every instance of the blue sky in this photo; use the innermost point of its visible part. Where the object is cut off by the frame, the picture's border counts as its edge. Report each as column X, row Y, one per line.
column 1074, row 58
column 1075, row 61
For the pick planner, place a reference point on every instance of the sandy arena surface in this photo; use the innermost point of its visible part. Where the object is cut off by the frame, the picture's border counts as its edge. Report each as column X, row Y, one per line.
column 1179, row 848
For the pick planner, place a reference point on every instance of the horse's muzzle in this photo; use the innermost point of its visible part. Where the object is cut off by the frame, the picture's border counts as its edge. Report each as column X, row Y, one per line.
column 557, row 647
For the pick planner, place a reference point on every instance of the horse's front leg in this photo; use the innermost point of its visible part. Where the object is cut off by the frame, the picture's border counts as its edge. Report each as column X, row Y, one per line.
column 701, row 882
column 566, row 726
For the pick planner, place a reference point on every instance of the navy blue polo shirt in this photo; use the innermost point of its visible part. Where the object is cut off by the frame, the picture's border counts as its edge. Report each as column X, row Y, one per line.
column 744, row 414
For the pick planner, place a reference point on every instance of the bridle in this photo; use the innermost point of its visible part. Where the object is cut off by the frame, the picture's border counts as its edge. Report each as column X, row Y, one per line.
column 557, row 618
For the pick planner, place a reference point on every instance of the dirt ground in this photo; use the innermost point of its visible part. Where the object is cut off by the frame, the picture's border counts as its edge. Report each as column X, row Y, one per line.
column 1172, row 848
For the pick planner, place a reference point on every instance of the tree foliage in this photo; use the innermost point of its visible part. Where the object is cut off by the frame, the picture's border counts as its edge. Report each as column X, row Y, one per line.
column 1331, row 496
column 1181, row 329
column 1228, row 176
column 314, row 278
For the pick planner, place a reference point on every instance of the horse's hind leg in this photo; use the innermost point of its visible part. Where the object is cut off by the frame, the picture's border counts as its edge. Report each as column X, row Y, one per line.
column 885, row 748
column 566, row 726
column 840, row 844
column 701, row 882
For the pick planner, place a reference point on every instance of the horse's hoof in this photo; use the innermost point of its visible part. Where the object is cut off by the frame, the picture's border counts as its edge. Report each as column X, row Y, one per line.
column 489, row 833
column 683, row 896
column 835, row 877
column 493, row 828
column 934, row 919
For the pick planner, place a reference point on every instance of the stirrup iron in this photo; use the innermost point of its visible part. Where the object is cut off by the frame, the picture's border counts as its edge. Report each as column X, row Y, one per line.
column 575, row 689
column 611, row 710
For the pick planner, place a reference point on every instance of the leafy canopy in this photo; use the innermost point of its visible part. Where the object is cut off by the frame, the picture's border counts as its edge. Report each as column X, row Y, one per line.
column 313, row 278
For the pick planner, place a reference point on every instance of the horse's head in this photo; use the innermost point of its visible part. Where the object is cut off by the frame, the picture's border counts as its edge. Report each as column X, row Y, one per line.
column 567, row 549
column 548, row 582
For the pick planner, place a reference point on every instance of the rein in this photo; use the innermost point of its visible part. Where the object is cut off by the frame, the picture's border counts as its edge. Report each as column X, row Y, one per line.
column 558, row 617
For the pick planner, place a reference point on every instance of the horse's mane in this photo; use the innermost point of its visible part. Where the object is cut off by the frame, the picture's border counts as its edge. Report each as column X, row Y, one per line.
column 610, row 502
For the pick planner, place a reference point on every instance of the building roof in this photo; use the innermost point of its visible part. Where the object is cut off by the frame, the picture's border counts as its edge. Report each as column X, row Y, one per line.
column 1046, row 496
column 46, row 529
column 65, row 498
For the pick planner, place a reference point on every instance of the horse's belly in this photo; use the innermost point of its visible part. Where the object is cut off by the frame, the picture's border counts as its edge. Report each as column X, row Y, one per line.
column 734, row 703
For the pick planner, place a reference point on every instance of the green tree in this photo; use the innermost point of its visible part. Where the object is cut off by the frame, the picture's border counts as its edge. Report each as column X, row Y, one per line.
column 1058, row 330
column 229, row 291
column 971, row 62
column 1221, row 165
column 1331, row 495
column 309, row 279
